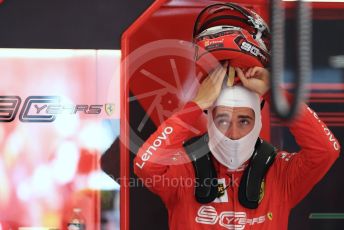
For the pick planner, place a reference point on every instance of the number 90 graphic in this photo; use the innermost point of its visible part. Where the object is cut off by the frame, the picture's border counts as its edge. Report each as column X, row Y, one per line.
column 9, row 107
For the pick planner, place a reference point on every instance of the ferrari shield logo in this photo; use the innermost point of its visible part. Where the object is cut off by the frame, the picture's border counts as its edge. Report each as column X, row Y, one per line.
column 109, row 109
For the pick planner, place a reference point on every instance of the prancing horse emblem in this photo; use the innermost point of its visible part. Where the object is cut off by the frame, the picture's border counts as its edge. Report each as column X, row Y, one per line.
column 109, row 109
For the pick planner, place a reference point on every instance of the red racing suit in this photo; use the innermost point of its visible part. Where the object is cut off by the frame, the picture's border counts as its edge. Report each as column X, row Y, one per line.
column 166, row 170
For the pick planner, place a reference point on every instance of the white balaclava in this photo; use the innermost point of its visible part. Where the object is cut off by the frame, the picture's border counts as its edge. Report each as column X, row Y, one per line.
column 233, row 153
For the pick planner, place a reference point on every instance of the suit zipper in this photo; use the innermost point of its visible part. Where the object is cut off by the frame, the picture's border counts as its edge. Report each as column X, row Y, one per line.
column 234, row 198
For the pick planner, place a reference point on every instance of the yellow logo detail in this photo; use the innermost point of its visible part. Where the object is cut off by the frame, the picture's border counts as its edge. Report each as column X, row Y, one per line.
column 109, row 109
column 262, row 190
column 206, row 43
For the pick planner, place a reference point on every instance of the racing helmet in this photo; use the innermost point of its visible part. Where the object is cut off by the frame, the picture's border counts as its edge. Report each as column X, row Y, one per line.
column 231, row 32
column 233, row 15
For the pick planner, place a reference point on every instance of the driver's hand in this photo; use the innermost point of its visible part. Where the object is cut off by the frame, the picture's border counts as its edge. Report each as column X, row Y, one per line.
column 211, row 87
column 256, row 79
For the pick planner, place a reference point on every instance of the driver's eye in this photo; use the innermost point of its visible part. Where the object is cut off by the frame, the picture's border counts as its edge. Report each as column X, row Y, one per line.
column 244, row 122
column 222, row 122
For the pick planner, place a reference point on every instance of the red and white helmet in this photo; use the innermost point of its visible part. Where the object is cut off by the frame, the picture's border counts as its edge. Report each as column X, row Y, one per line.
column 232, row 14
column 231, row 32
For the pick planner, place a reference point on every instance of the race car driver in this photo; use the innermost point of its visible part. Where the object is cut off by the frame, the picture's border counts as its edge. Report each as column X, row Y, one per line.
column 233, row 128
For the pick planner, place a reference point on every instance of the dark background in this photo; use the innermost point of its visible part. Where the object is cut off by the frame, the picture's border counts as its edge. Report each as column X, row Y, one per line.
column 98, row 24
column 67, row 24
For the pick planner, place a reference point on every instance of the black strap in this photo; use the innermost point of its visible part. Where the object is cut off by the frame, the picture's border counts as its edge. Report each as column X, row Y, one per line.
column 206, row 189
column 251, row 181
column 205, row 173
